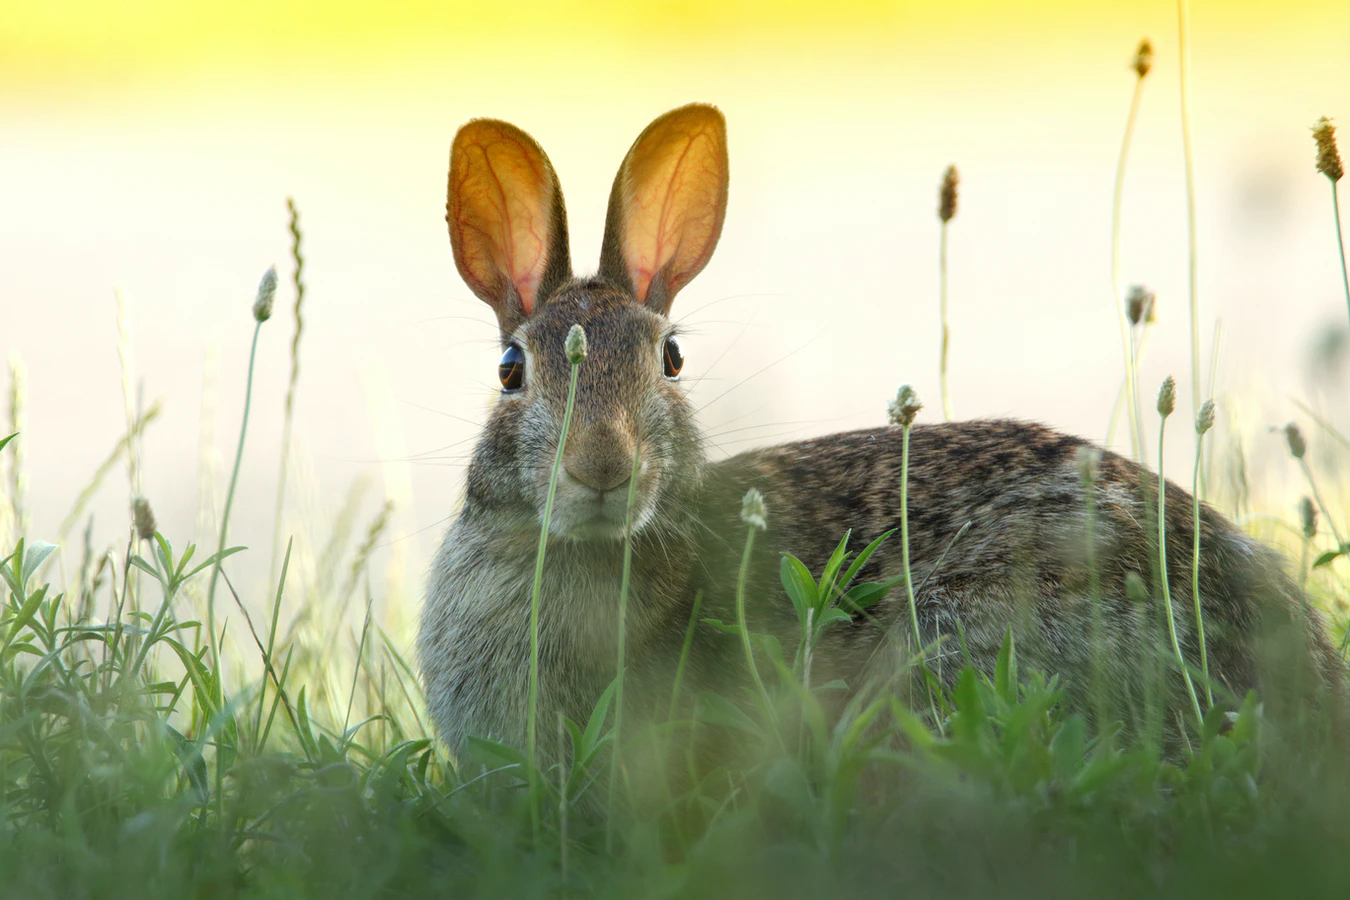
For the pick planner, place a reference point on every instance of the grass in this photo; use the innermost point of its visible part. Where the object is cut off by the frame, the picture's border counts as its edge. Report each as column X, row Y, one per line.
column 125, row 777
column 1143, row 63
column 1167, row 399
column 149, row 748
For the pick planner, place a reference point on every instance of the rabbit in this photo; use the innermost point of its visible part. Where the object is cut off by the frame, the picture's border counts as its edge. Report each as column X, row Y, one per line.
column 1017, row 489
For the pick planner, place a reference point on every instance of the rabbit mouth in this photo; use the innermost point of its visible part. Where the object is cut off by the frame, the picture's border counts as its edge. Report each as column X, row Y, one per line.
column 581, row 512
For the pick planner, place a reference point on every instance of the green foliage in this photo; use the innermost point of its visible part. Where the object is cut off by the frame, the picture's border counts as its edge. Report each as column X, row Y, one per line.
column 122, row 777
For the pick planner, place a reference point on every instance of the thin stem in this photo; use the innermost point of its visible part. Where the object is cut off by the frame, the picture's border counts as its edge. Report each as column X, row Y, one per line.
column 288, row 420
column 946, row 333
column 684, row 655
column 909, row 575
column 1116, row 201
column 272, row 635
column 904, row 537
column 1099, row 685
column 1183, row 26
column 679, row 682
column 623, row 619
column 1136, row 411
column 225, row 518
column 1340, row 242
column 1195, row 571
column 1166, row 589
column 806, row 675
column 530, row 727
column 1123, row 392
column 1202, row 484
column 152, row 635
column 562, row 801
column 741, row 578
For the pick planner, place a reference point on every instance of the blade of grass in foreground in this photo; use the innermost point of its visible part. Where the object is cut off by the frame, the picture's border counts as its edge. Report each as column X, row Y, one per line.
column 623, row 621
column 576, row 354
column 1167, row 399
column 262, row 310
column 1143, row 63
column 1203, row 423
column 298, row 280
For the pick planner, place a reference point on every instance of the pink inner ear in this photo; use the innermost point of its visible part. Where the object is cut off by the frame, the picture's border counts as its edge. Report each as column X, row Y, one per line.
column 675, row 198
column 501, row 191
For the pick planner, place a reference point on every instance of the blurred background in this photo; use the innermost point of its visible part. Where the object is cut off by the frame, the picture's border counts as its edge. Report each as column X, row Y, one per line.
column 149, row 147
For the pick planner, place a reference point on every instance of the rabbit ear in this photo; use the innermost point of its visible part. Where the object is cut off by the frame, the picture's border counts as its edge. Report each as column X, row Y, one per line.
column 667, row 205
column 508, row 225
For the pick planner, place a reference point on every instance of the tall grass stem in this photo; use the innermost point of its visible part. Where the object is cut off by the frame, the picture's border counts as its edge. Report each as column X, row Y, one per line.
column 562, row 803
column 1089, row 460
column 531, row 742
column 946, row 331
column 225, row 516
column 904, row 537
column 624, row 583
column 1340, row 242
column 1184, row 46
column 1163, row 579
column 1125, row 393
column 298, row 257
column 742, row 576
column 1117, row 198
column 1195, row 571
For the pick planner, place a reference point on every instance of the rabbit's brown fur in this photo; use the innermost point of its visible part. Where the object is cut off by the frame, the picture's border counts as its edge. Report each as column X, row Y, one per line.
column 1021, row 562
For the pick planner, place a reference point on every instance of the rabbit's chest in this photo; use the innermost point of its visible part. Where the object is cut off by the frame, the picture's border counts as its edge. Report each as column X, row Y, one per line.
column 475, row 638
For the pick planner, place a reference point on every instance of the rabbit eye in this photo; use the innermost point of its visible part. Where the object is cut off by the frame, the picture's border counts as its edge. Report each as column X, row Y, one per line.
column 673, row 358
column 511, row 370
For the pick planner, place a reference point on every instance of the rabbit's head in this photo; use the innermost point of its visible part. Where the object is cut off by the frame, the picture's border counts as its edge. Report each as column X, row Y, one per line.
column 508, row 228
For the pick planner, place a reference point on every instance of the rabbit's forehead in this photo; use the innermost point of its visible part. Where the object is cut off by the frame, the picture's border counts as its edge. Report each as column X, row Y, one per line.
column 612, row 327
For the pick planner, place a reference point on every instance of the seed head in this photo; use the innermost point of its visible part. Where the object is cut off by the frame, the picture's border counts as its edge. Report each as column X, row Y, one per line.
column 143, row 517
column 904, row 407
column 752, row 509
column 576, row 345
column 1143, row 58
column 1297, row 445
column 1140, row 304
column 1167, row 397
column 1308, row 513
column 947, row 194
column 1328, row 157
column 1205, row 420
column 267, row 292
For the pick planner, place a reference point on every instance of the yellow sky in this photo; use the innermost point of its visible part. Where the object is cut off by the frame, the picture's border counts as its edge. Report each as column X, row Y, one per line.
column 98, row 44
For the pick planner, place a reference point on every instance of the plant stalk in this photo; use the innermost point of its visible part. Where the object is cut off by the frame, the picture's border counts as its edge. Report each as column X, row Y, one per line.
column 225, row 518
column 1166, row 588
column 531, row 744
column 623, row 621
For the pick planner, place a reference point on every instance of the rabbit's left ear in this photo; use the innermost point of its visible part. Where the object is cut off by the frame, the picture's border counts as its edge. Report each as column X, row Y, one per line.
column 667, row 205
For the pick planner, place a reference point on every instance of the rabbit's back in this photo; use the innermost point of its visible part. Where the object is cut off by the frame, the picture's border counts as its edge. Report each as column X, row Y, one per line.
column 1023, row 559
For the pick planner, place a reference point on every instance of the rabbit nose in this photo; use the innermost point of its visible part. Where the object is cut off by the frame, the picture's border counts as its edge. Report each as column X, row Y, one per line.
column 600, row 457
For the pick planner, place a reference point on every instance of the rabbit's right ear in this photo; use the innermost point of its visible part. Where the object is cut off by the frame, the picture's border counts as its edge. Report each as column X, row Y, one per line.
column 508, row 226
column 667, row 205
